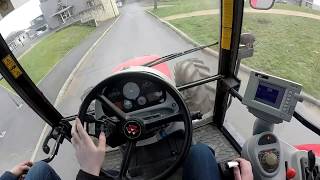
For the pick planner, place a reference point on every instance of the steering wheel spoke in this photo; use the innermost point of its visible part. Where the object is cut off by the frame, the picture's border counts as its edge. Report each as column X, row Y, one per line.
column 177, row 117
column 131, row 145
column 108, row 104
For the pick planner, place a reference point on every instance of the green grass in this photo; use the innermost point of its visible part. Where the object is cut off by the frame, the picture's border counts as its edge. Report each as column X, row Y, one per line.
column 184, row 6
column 202, row 29
column 286, row 46
column 42, row 57
column 296, row 8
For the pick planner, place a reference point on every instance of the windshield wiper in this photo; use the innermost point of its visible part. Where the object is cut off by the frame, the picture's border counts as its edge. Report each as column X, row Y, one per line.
column 175, row 55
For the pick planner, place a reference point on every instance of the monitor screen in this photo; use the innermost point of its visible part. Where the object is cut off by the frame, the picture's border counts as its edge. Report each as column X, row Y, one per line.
column 269, row 94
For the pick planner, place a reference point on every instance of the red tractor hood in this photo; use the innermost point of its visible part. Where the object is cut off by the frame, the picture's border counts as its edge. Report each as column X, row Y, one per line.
column 139, row 61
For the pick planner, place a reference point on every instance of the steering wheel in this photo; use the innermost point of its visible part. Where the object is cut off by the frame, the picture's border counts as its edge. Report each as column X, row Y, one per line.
column 128, row 129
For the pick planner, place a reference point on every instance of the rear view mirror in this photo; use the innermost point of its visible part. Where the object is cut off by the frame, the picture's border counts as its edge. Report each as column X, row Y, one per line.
column 261, row 4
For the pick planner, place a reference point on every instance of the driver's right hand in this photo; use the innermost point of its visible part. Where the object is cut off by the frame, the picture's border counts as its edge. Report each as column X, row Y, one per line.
column 90, row 156
column 245, row 170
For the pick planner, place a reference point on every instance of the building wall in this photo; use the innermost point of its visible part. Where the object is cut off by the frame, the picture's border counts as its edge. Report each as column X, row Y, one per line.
column 111, row 8
column 17, row 3
column 106, row 10
column 49, row 7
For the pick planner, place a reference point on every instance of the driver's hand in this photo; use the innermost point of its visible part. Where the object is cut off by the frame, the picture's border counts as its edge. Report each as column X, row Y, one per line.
column 245, row 170
column 90, row 156
column 21, row 168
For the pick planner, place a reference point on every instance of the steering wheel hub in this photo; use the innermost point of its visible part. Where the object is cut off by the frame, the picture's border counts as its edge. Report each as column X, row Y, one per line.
column 133, row 128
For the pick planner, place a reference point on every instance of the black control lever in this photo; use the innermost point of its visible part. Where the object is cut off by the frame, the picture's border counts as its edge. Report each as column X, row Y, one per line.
column 196, row 115
column 55, row 134
column 311, row 160
column 311, row 171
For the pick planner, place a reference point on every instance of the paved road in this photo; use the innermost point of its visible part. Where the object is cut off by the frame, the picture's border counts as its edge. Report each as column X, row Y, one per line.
column 20, row 128
column 135, row 34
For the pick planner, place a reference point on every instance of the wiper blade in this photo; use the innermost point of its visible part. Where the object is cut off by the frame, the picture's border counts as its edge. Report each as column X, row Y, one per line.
column 175, row 55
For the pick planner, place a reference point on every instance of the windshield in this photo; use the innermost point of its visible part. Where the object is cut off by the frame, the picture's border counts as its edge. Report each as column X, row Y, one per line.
column 69, row 46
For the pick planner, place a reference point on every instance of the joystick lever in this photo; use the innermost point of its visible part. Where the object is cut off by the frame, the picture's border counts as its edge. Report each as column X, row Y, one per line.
column 311, row 161
column 312, row 171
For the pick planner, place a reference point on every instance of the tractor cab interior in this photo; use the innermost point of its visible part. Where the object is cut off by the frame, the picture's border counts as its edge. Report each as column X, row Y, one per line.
column 150, row 128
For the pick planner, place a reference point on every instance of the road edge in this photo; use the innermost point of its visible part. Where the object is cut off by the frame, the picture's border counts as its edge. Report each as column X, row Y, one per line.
column 308, row 98
column 68, row 82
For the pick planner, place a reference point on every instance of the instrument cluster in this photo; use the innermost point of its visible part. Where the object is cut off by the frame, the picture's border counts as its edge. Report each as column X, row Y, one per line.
column 131, row 95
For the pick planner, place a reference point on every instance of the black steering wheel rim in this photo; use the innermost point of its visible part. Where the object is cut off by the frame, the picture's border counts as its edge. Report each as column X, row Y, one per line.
column 171, row 90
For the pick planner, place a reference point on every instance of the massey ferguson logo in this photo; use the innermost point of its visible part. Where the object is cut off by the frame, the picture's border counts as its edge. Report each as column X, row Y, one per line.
column 132, row 129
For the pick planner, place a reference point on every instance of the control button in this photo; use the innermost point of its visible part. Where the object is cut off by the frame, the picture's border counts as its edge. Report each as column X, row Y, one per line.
column 291, row 173
column 269, row 160
column 289, row 95
column 267, row 139
column 127, row 104
column 142, row 101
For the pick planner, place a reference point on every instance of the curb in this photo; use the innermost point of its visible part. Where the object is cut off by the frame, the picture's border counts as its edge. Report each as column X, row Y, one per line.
column 183, row 35
column 307, row 98
column 67, row 83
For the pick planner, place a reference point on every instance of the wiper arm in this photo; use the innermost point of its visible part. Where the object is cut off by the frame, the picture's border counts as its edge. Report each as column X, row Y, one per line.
column 175, row 55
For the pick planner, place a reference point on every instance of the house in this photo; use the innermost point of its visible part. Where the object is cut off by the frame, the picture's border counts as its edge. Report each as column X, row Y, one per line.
column 60, row 12
column 17, row 39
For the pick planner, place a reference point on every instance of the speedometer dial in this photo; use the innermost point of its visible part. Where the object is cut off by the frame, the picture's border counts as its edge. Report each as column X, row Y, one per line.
column 131, row 90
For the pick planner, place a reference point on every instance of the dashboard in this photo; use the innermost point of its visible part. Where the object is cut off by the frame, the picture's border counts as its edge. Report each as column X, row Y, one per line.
column 134, row 94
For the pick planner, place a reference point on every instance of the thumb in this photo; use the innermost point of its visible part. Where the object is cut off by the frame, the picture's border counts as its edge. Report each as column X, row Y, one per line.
column 236, row 173
column 102, row 141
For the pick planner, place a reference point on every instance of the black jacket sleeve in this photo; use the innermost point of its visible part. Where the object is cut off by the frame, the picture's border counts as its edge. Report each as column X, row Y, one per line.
column 86, row 176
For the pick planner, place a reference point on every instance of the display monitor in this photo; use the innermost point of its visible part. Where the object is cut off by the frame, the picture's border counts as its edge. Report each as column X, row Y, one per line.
column 271, row 97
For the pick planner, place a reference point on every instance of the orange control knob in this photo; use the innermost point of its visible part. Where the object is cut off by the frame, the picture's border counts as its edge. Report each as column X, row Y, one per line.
column 291, row 173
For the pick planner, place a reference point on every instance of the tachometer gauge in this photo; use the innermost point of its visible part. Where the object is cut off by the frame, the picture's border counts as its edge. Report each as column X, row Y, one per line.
column 142, row 101
column 131, row 90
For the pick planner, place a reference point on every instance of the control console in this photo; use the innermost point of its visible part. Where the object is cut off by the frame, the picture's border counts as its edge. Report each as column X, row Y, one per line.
column 273, row 159
column 272, row 99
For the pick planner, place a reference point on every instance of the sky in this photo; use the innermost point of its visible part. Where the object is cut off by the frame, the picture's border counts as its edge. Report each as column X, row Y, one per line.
column 20, row 18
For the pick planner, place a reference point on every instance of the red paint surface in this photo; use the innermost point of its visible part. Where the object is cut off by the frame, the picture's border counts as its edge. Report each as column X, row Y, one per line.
column 142, row 60
column 307, row 147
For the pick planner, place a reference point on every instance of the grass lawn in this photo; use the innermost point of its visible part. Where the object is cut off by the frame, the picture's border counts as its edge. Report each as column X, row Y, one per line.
column 185, row 6
column 286, row 46
column 42, row 57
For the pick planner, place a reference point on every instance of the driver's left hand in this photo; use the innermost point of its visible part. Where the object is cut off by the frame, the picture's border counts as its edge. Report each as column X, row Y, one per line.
column 90, row 156
column 21, row 168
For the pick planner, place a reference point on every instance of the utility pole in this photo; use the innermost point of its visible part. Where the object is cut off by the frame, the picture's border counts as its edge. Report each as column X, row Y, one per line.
column 155, row 4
